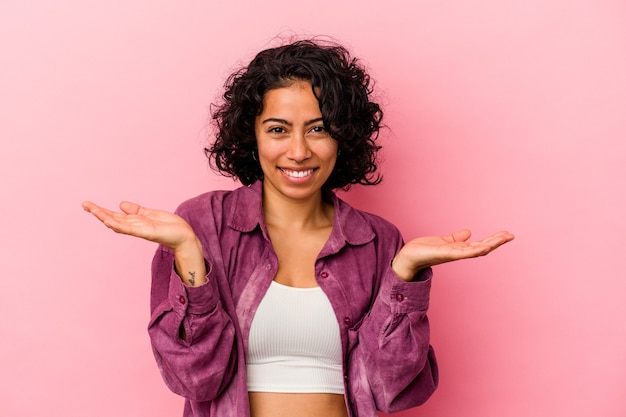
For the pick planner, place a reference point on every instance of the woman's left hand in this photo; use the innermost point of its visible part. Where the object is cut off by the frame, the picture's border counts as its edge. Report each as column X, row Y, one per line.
column 423, row 252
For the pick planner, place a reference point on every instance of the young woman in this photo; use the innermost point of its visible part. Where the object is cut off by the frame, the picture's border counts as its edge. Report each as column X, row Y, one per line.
column 278, row 298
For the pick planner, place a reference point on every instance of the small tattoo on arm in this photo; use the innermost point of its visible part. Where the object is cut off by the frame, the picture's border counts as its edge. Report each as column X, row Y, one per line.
column 192, row 279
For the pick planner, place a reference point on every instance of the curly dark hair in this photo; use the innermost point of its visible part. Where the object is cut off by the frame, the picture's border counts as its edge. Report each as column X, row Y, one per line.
column 343, row 89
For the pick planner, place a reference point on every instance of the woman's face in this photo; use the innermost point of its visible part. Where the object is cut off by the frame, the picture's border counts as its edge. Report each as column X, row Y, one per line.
column 296, row 153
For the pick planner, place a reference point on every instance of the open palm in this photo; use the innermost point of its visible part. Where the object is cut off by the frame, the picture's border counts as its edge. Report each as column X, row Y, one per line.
column 154, row 225
column 434, row 250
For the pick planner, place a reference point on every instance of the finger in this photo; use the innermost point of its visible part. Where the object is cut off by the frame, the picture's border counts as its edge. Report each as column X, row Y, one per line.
column 118, row 222
column 493, row 242
column 498, row 239
column 99, row 212
column 88, row 206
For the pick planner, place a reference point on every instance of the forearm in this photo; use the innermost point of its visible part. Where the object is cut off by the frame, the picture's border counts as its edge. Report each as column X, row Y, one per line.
column 189, row 263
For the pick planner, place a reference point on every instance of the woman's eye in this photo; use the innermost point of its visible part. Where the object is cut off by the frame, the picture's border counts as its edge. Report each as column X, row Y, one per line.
column 318, row 129
column 277, row 129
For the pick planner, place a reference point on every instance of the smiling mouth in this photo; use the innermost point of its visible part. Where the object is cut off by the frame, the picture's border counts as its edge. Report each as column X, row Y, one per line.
column 297, row 174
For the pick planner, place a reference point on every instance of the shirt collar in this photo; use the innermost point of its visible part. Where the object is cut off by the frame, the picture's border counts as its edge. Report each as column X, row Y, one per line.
column 349, row 224
column 247, row 209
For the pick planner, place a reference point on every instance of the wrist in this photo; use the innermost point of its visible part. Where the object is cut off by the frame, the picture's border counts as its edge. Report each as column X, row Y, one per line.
column 404, row 270
column 189, row 263
column 189, row 248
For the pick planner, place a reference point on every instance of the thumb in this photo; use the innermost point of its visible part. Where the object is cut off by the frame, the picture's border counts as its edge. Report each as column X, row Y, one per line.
column 460, row 236
column 130, row 207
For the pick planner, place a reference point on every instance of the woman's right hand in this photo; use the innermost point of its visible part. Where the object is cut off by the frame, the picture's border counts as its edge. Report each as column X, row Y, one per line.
column 161, row 227
column 157, row 226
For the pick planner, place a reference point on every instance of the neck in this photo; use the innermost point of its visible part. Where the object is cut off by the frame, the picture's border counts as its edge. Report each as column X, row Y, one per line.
column 310, row 213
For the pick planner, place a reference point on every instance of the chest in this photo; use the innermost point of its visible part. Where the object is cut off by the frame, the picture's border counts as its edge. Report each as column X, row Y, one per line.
column 347, row 275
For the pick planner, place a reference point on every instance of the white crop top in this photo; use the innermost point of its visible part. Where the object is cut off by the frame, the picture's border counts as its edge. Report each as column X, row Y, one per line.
column 294, row 343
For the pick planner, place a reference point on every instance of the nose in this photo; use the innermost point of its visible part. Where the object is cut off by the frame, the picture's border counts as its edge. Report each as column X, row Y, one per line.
column 298, row 148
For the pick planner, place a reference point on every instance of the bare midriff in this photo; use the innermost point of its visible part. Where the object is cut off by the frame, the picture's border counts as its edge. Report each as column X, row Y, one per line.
column 279, row 404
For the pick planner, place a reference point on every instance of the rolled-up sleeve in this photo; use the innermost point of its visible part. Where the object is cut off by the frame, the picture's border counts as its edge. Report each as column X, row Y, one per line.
column 393, row 366
column 201, row 364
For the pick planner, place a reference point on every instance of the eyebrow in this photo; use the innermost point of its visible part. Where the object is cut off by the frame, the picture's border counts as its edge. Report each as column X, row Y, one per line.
column 285, row 122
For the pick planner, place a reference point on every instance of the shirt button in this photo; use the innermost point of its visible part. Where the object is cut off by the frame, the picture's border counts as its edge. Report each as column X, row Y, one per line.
column 347, row 320
column 399, row 298
column 268, row 267
column 324, row 274
column 182, row 299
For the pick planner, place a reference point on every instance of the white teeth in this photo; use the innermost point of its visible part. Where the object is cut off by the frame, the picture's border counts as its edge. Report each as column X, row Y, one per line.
column 298, row 174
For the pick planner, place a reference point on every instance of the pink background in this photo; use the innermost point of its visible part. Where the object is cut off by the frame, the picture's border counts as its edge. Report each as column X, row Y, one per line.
column 501, row 115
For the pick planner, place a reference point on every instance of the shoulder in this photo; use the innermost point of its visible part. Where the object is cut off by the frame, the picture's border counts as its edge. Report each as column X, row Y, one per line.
column 239, row 208
column 358, row 221
column 217, row 203
column 381, row 226
column 203, row 202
